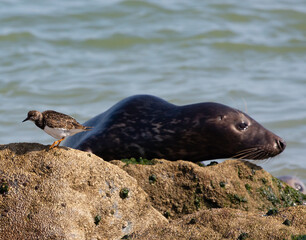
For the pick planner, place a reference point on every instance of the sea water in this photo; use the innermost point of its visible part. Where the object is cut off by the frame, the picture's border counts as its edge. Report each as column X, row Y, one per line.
column 81, row 57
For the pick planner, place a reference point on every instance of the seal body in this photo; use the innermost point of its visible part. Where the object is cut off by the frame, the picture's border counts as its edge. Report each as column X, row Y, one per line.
column 149, row 127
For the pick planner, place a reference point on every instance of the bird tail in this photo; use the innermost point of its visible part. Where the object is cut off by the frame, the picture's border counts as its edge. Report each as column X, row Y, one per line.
column 88, row 128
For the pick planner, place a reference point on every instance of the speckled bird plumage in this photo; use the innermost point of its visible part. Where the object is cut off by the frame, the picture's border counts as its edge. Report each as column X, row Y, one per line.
column 56, row 124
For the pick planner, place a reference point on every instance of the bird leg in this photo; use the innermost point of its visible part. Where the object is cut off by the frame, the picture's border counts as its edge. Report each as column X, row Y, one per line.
column 56, row 143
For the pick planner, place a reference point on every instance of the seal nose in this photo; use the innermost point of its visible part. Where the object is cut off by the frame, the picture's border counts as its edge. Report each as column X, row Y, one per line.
column 281, row 144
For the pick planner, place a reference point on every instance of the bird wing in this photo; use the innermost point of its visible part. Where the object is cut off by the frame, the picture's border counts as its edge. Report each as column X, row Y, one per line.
column 60, row 120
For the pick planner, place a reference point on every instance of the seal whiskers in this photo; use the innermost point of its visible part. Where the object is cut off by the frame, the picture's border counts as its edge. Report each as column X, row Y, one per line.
column 252, row 153
column 244, row 153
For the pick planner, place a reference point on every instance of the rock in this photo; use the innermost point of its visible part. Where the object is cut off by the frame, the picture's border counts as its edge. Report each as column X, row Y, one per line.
column 182, row 187
column 225, row 223
column 68, row 194
column 223, row 201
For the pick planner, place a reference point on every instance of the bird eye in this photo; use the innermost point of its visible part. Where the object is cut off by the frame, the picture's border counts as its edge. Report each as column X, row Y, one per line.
column 242, row 126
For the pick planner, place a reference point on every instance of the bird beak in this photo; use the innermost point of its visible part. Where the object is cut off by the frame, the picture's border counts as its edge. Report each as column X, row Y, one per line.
column 25, row 119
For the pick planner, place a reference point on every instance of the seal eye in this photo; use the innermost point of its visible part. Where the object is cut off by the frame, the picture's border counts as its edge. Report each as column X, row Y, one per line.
column 221, row 117
column 242, row 126
column 298, row 187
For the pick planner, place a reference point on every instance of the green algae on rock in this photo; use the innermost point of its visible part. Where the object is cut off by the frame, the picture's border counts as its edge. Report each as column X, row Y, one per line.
column 97, row 219
column 140, row 160
column 152, row 178
column 124, row 193
column 4, row 188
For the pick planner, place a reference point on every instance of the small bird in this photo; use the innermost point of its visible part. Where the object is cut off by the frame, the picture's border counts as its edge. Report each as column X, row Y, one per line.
column 56, row 124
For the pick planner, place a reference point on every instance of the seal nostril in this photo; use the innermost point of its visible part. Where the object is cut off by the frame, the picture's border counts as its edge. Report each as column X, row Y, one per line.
column 281, row 144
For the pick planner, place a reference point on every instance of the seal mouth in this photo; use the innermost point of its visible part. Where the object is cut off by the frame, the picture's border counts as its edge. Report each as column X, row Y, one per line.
column 255, row 153
column 262, row 152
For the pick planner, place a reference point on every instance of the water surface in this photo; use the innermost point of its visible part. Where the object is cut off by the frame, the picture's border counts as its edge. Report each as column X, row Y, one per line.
column 81, row 57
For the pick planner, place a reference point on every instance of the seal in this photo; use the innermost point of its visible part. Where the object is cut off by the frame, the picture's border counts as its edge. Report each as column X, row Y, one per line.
column 149, row 127
column 294, row 182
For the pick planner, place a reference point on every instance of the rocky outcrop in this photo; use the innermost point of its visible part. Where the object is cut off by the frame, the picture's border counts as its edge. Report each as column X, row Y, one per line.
column 179, row 188
column 68, row 194
column 225, row 223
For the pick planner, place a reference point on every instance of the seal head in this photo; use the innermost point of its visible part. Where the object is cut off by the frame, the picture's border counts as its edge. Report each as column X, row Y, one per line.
column 294, row 182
